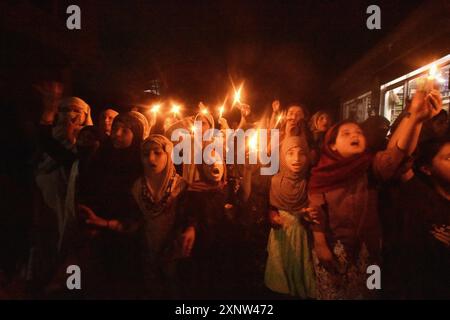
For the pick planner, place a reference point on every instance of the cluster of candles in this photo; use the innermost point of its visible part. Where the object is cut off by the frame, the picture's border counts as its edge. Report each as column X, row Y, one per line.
column 176, row 108
column 175, row 111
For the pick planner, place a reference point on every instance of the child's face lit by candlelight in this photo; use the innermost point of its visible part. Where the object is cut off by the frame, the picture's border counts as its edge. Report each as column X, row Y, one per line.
column 122, row 136
column 296, row 159
column 213, row 172
column 154, row 158
column 350, row 140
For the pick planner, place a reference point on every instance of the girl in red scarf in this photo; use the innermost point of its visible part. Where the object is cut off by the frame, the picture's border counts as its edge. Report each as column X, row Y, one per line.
column 344, row 184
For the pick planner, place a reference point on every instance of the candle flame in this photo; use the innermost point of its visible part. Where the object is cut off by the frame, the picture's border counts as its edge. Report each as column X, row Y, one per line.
column 237, row 96
column 205, row 111
column 433, row 71
column 175, row 109
column 434, row 74
column 253, row 142
column 279, row 118
column 155, row 108
column 221, row 110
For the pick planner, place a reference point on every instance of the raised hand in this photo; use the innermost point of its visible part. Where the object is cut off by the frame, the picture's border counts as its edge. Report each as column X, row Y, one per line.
column 51, row 92
column 425, row 105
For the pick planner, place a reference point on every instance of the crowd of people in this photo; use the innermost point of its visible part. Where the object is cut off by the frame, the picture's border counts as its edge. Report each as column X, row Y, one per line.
column 107, row 197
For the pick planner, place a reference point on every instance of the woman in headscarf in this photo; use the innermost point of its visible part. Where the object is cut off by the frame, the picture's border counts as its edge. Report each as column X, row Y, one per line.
column 289, row 267
column 107, row 207
column 344, row 184
column 60, row 124
column 57, row 136
column 157, row 193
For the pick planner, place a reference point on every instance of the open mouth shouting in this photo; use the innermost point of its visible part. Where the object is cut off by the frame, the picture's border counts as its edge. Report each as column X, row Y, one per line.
column 355, row 143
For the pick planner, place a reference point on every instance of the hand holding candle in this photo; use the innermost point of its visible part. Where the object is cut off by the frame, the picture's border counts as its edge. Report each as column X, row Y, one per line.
column 425, row 106
column 431, row 81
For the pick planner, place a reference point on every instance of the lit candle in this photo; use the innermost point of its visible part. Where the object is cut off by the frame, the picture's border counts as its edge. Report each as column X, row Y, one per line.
column 253, row 142
column 237, row 96
column 433, row 72
column 221, row 110
column 434, row 78
column 175, row 110
column 155, row 108
column 279, row 118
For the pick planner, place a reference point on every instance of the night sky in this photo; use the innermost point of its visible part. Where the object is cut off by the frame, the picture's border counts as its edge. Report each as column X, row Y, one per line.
column 291, row 50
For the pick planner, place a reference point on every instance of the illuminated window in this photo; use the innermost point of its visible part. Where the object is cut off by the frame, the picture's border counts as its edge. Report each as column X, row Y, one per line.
column 396, row 93
column 393, row 103
column 357, row 109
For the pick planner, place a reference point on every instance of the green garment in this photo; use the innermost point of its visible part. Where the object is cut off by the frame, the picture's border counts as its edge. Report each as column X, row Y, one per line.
column 289, row 267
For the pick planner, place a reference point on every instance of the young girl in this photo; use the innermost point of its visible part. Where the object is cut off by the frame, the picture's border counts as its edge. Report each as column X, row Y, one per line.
column 157, row 195
column 289, row 268
column 210, row 217
column 344, row 184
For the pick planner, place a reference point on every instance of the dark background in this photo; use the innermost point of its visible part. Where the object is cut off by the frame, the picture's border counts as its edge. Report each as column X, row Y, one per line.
column 291, row 50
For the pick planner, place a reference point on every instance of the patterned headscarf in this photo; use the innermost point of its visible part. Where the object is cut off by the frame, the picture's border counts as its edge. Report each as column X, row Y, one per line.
column 75, row 110
column 169, row 171
column 77, row 105
column 144, row 121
